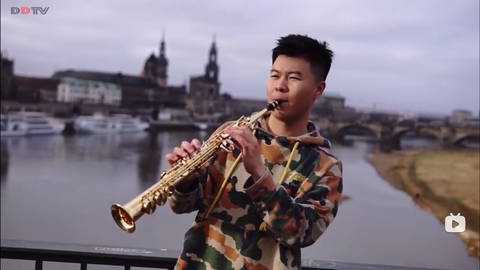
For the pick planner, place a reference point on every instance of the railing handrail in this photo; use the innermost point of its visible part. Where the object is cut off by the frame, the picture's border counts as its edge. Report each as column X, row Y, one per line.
column 135, row 257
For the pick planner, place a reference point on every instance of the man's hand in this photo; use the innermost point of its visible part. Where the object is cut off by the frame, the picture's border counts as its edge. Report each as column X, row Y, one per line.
column 252, row 160
column 186, row 149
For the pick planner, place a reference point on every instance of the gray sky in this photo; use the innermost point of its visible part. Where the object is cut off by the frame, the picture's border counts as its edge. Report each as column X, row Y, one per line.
column 403, row 55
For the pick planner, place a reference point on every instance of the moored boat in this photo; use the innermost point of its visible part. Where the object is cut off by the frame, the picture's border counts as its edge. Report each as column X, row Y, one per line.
column 35, row 123
column 12, row 128
column 101, row 124
column 129, row 124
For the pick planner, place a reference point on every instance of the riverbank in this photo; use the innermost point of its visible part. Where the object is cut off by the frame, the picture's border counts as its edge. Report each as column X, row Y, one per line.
column 440, row 182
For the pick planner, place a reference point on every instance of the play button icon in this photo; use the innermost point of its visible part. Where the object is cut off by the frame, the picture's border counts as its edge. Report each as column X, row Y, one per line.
column 455, row 224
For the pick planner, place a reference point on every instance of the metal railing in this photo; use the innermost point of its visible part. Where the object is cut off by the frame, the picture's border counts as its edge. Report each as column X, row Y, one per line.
column 85, row 255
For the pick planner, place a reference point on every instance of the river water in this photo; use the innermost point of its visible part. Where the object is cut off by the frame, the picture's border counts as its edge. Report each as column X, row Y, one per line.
column 59, row 189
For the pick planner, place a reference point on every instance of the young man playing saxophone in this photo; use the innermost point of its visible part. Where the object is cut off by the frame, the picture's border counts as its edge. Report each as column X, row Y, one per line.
column 287, row 191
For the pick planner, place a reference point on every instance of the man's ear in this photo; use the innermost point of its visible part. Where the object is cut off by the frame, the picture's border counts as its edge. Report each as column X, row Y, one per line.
column 319, row 90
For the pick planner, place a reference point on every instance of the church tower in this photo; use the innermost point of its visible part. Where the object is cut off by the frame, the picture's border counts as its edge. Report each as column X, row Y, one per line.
column 162, row 64
column 212, row 69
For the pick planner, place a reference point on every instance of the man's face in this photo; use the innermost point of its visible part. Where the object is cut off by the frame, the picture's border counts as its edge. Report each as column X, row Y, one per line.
column 292, row 80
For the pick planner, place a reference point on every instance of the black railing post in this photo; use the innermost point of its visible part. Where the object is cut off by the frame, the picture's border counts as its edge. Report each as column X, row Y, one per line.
column 38, row 265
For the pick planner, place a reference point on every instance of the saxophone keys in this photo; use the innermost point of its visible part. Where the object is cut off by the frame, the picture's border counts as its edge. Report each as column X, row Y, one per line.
column 149, row 207
column 227, row 145
column 170, row 190
column 159, row 198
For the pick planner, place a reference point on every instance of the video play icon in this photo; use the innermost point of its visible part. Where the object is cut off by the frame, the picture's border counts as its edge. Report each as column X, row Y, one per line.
column 455, row 224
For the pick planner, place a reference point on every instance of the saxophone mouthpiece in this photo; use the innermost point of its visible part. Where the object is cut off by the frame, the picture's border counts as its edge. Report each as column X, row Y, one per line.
column 274, row 104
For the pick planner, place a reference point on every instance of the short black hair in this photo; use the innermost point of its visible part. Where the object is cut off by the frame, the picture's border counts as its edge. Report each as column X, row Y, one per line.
column 316, row 52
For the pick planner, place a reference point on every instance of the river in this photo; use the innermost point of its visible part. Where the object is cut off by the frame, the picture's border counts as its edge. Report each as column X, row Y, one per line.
column 59, row 189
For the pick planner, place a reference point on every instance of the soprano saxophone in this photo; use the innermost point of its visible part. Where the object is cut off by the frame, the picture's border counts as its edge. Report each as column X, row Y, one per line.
column 125, row 216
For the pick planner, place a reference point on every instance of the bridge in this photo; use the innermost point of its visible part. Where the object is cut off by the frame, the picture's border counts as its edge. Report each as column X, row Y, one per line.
column 448, row 135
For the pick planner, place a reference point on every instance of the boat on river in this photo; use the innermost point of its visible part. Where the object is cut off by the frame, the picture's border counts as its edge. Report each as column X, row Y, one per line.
column 30, row 123
column 12, row 129
column 101, row 124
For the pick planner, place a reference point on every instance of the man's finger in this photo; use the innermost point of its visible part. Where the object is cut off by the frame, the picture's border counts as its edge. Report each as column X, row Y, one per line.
column 171, row 158
column 187, row 147
column 179, row 152
column 239, row 139
column 196, row 143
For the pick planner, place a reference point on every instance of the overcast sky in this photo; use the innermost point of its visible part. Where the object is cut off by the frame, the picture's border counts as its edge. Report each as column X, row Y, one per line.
column 405, row 55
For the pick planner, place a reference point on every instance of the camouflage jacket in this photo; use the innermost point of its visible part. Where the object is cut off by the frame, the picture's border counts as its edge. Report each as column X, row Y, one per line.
column 262, row 226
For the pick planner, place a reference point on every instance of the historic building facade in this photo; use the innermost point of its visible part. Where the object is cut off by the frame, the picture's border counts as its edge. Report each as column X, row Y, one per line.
column 156, row 68
column 332, row 106
column 205, row 100
column 202, row 101
column 147, row 90
column 89, row 92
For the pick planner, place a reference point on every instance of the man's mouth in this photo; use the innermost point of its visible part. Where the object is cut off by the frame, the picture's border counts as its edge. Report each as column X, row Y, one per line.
column 282, row 103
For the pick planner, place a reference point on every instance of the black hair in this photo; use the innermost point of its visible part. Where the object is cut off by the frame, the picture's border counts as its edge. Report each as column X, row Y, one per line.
column 316, row 52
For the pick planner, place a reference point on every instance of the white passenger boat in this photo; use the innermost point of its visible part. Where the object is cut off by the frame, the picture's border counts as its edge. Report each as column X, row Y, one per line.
column 12, row 128
column 201, row 126
column 34, row 123
column 129, row 124
column 99, row 123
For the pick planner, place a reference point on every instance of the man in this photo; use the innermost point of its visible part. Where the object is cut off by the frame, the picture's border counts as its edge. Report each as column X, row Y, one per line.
column 287, row 191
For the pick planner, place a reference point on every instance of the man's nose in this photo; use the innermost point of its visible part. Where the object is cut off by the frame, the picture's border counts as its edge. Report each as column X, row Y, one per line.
column 281, row 87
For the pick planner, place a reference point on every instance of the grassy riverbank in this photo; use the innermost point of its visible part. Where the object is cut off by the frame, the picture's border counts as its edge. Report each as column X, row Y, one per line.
column 439, row 181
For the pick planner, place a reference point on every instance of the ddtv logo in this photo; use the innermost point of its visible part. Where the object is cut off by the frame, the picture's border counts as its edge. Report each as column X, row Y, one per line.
column 455, row 224
column 27, row 10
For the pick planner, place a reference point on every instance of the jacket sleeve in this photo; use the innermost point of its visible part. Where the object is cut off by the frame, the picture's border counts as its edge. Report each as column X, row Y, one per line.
column 299, row 222
column 184, row 203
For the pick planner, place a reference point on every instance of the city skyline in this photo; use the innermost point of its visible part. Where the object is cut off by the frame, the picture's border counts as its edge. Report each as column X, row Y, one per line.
column 424, row 59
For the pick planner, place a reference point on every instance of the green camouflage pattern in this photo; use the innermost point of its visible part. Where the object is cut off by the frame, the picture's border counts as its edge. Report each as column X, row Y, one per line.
column 296, row 212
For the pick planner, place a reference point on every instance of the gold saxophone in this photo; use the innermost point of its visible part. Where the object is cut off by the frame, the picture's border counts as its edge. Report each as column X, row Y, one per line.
column 125, row 216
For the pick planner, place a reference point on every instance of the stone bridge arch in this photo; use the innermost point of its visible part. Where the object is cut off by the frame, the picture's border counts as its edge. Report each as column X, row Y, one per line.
column 461, row 134
column 437, row 132
column 340, row 129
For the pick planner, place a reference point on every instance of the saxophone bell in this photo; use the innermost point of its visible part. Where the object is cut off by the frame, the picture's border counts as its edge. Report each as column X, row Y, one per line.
column 122, row 218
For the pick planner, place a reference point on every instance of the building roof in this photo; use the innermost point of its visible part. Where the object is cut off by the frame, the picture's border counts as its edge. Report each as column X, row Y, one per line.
column 462, row 111
column 35, row 82
column 116, row 78
column 152, row 58
column 88, row 83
